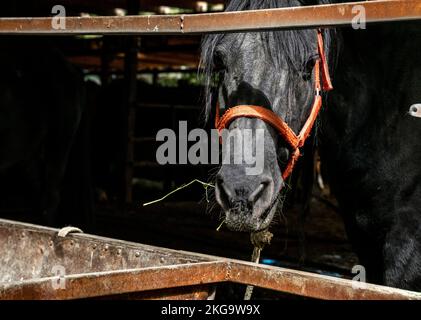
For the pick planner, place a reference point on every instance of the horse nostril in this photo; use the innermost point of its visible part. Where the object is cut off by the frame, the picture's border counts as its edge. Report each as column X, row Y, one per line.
column 260, row 190
column 257, row 193
column 219, row 179
column 242, row 197
column 223, row 193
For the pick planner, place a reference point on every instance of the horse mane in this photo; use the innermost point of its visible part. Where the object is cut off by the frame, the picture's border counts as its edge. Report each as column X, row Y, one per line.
column 296, row 46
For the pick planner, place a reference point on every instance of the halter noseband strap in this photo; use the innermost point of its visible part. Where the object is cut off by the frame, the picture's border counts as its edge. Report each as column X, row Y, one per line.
column 322, row 81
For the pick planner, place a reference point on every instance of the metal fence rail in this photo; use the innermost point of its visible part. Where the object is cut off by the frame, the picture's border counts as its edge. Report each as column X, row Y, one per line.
column 271, row 19
column 96, row 266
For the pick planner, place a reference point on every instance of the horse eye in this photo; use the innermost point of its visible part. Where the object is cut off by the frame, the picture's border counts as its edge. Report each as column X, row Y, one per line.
column 283, row 154
column 308, row 69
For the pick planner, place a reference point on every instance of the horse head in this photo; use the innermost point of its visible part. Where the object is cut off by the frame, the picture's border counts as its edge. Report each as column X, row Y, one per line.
column 263, row 72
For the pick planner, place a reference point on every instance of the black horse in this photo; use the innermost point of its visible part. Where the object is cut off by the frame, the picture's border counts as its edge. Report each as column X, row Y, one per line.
column 371, row 149
column 369, row 141
column 41, row 103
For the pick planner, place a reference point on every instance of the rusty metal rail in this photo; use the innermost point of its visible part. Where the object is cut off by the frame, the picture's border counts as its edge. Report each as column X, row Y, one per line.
column 113, row 283
column 102, row 267
column 331, row 15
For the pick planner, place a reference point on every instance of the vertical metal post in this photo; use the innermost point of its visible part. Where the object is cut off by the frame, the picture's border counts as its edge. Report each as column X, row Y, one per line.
column 105, row 61
column 130, row 72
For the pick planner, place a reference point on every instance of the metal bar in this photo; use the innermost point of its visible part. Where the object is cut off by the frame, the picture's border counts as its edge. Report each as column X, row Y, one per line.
column 128, row 25
column 313, row 285
column 304, row 17
column 130, row 66
column 331, row 15
column 279, row 279
column 109, row 283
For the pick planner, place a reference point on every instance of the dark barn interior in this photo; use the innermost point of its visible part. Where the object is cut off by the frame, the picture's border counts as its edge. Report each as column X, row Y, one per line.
column 134, row 87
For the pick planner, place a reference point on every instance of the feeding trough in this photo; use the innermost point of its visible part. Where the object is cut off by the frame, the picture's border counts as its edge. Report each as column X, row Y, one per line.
column 42, row 263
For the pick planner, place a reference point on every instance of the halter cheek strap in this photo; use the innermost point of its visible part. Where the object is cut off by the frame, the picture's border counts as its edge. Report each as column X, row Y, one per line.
column 322, row 82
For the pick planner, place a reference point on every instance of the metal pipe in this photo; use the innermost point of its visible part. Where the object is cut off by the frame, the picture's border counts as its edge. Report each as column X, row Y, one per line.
column 331, row 15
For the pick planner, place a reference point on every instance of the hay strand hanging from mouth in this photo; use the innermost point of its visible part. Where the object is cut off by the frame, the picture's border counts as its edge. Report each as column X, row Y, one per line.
column 204, row 184
column 220, row 226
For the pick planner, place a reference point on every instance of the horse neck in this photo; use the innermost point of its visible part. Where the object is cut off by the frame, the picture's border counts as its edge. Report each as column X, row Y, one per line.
column 375, row 72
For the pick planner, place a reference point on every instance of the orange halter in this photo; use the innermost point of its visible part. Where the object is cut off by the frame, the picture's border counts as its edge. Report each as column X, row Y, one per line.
column 295, row 141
